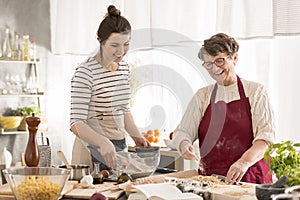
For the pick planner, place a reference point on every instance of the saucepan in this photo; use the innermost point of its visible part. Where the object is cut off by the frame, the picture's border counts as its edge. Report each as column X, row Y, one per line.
column 77, row 170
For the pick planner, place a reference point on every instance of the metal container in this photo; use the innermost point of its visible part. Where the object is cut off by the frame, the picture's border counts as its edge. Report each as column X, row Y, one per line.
column 77, row 171
column 45, row 151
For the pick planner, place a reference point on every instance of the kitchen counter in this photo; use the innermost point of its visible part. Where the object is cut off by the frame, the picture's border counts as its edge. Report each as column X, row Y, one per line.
column 72, row 191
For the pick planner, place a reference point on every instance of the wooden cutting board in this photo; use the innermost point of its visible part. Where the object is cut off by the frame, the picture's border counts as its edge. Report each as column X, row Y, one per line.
column 234, row 192
column 109, row 189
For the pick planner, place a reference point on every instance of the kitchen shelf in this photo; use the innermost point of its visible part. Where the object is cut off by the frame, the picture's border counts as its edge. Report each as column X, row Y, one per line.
column 32, row 67
column 13, row 132
column 19, row 62
column 39, row 94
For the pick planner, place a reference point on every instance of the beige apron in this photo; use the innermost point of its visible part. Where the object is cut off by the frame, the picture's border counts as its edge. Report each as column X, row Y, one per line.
column 113, row 129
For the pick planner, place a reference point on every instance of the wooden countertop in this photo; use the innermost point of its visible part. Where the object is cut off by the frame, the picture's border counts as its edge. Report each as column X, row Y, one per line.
column 73, row 191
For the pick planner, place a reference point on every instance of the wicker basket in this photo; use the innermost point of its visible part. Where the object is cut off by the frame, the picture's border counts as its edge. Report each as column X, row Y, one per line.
column 10, row 123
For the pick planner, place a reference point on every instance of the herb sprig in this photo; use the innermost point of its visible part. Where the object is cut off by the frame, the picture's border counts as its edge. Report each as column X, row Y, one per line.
column 284, row 159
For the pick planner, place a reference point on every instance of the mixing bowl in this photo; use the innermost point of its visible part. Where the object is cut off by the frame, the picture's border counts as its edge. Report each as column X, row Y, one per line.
column 138, row 165
column 36, row 183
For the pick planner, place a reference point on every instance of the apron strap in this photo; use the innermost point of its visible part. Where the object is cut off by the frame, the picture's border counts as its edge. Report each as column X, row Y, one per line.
column 241, row 88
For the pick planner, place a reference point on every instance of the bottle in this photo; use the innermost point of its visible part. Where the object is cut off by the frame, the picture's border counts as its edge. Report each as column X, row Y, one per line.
column 25, row 48
column 0, row 49
column 5, row 158
column 6, row 48
column 96, row 174
column 5, row 162
column 31, row 82
column 32, row 51
column 32, row 155
column 17, row 52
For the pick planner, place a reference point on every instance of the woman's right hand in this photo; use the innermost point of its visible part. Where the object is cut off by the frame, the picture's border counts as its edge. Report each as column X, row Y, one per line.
column 186, row 150
column 108, row 152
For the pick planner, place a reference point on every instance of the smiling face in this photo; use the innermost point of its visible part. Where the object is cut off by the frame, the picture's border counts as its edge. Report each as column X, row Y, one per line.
column 221, row 67
column 115, row 48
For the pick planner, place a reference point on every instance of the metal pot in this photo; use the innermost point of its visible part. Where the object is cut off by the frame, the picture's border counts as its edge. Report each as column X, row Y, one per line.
column 77, row 171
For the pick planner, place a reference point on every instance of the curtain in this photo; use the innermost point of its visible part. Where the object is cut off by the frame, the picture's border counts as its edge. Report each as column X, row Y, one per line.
column 74, row 24
column 245, row 19
column 168, row 34
column 286, row 17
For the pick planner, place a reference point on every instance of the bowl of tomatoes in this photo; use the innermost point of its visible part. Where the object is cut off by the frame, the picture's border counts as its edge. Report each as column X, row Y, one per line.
column 153, row 136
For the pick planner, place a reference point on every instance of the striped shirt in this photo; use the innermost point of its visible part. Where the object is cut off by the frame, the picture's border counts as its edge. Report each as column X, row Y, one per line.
column 97, row 93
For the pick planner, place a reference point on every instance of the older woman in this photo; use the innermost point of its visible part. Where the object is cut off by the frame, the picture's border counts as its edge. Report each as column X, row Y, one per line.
column 232, row 119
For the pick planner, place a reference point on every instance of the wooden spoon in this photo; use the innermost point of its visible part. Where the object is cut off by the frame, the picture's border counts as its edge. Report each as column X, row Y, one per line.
column 64, row 159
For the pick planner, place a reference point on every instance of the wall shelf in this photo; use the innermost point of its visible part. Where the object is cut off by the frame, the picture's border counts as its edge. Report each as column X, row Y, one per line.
column 39, row 94
column 13, row 132
column 19, row 62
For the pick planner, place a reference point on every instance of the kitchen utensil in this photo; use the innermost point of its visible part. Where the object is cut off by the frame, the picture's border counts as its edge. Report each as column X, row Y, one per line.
column 285, row 196
column 280, row 182
column 77, row 171
column 64, row 159
column 45, row 151
column 30, row 182
column 32, row 155
column 137, row 165
column 264, row 191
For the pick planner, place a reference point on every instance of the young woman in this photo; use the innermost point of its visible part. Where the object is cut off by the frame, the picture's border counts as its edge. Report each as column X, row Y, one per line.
column 100, row 94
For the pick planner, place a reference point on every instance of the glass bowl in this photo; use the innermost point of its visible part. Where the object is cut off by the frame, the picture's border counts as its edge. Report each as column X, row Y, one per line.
column 138, row 164
column 36, row 183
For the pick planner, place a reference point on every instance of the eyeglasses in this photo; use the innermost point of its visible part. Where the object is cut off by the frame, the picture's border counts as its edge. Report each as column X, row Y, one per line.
column 218, row 62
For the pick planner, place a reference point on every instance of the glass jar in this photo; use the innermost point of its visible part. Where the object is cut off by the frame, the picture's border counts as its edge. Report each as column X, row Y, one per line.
column 96, row 174
column 6, row 49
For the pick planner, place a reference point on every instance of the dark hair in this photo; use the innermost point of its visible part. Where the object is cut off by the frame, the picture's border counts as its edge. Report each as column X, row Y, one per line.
column 219, row 43
column 113, row 22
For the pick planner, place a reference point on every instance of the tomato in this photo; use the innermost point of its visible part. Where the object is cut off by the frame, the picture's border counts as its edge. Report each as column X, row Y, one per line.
column 171, row 135
column 157, row 132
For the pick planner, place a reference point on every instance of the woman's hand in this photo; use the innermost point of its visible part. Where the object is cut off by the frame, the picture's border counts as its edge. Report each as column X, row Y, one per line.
column 236, row 171
column 141, row 141
column 108, row 152
column 249, row 158
column 186, row 150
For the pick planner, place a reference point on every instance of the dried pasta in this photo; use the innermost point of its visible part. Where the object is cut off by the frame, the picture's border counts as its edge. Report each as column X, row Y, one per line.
column 37, row 188
column 211, row 180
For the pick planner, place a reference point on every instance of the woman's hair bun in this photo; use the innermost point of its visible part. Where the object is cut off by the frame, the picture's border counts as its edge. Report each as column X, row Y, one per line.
column 113, row 11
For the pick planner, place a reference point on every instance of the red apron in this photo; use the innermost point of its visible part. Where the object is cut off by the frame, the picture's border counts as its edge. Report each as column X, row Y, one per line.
column 225, row 133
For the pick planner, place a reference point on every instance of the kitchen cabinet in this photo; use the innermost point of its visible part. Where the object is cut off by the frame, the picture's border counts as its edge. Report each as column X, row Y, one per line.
column 19, row 85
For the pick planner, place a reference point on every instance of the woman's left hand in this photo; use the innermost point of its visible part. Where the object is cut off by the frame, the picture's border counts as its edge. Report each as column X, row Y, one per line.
column 236, row 171
column 141, row 141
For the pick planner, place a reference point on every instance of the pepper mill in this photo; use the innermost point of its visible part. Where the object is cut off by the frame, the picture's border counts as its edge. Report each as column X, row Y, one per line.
column 32, row 155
